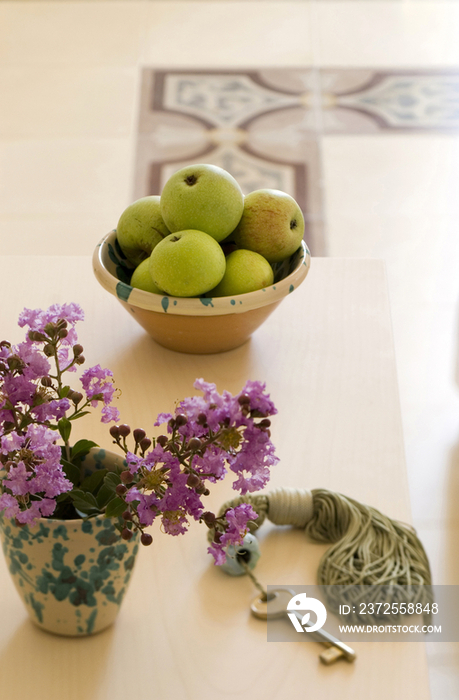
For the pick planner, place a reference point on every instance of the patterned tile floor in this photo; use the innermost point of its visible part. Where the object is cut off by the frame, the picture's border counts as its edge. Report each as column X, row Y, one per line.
column 351, row 105
column 265, row 126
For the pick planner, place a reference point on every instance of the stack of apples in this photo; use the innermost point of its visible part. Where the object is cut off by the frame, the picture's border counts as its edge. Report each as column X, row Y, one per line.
column 203, row 237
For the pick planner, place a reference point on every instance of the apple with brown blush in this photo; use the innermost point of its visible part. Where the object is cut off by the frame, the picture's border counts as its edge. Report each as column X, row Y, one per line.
column 272, row 224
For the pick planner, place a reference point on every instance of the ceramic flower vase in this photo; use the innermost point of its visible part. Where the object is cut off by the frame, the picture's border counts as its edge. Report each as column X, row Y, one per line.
column 71, row 574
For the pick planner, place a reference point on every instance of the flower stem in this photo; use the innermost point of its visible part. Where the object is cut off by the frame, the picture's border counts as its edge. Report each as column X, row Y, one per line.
column 54, row 343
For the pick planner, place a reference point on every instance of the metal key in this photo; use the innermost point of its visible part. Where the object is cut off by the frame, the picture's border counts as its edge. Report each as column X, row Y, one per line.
column 276, row 607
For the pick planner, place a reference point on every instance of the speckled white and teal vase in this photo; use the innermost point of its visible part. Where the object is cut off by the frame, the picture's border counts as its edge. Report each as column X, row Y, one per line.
column 71, row 574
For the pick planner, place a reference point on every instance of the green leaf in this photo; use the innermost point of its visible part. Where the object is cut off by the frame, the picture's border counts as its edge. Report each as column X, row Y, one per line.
column 103, row 496
column 71, row 471
column 78, row 415
column 84, row 502
column 108, row 489
column 62, row 497
column 81, row 448
column 115, row 508
column 93, row 481
column 39, row 400
column 64, row 426
column 64, row 392
column 112, row 480
column 27, row 420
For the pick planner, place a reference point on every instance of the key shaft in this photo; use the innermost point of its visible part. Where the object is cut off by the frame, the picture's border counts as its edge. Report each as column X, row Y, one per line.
column 276, row 607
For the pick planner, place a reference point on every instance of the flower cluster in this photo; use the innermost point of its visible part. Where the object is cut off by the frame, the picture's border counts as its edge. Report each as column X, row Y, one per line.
column 36, row 406
column 206, row 436
column 164, row 477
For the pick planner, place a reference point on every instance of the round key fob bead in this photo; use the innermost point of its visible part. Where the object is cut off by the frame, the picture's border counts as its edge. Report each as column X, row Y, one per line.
column 247, row 552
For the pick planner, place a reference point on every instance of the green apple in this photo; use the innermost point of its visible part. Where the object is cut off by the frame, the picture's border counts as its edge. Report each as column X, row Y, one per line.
column 272, row 224
column 187, row 263
column 141, row 278
column 140, row 228
column 246, row 271
column 203, row 197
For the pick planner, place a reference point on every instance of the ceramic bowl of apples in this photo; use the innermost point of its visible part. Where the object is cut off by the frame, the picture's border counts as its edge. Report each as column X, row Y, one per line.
column 201, row 266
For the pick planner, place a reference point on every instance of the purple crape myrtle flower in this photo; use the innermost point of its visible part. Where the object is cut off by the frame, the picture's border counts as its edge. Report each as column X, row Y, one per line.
column 259, row 399
column 179, row 497
column 146, row 465
column 11, row 442
column 36, row 510
column 217, row 408
column 237, row 519
column 207, row 434
column 165, row 492
column 147, row 508
column 51, row 410
column 18, row 481
column 37, row 320
column 9, row 505
column 19, row 385
column 34, row 470
column 163, row 418
column 255, row 454
column 135, row 462
column 20, row 388
column 212, row 462
column 34, row 403
column 253, row 461
column 36, row 364
column 17, row 389
column 109, row 413
column 23, row 366
column 98, row 386
column 174, row 523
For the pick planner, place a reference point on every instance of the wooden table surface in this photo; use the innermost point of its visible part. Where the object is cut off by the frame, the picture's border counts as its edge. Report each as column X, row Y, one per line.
column 185, row 628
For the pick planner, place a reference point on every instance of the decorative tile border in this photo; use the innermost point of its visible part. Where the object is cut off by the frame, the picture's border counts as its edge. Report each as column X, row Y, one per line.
column 364, row 101
column 265, row 125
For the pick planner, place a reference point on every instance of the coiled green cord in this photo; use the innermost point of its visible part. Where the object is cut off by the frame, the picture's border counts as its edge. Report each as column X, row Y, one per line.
column 368, row 548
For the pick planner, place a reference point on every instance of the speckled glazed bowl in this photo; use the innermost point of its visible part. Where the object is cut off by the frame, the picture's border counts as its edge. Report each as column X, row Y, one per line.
column 197, row 325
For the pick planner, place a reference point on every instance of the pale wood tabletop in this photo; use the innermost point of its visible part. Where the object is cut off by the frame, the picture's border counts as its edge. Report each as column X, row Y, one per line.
column 185, row 628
